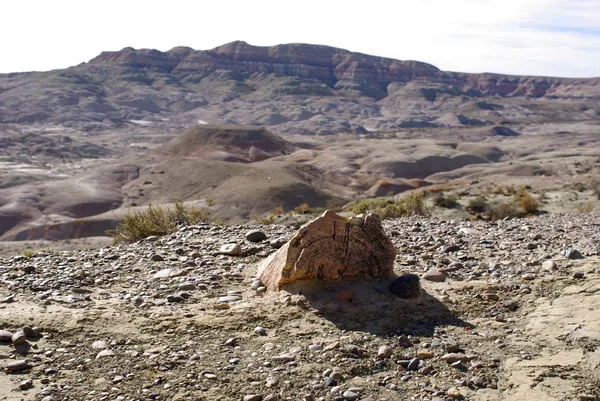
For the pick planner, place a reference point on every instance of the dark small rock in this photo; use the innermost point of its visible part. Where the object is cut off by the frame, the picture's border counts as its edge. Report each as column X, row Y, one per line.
column 175, row 298
column 6, row 336
column 406, row 286
column 572, row 254
column 578, row 275
column 17, row 366
column 331, row 382
column 510, row 304
column 256, row 236
column 26, row 384
column 413, row 364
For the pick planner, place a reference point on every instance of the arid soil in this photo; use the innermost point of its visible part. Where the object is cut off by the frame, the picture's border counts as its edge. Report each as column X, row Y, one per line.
column 508, row 312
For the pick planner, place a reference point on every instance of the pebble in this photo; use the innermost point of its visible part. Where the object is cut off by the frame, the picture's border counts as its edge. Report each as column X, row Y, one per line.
column 6, row 336
column 385, row 351
column 19, row 338
column 230, row 298
column 256, row 236
column 578, row 275
column 260, row 331
column 413, row 365
column 434, row 275
column 105, row 353
column 549, row 265
column 571, row 253
column 253, row 397
column 26, row 384
column 19, row 365
column 230, row 249
column 350, row 395
column 406, row 286
column 278, row 242
column 453, row 392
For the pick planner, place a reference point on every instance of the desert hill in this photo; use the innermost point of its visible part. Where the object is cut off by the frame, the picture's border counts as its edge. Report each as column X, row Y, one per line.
column 226, row 143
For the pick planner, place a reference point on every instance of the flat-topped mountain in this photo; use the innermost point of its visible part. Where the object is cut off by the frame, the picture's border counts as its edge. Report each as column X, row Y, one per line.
column 292, row 88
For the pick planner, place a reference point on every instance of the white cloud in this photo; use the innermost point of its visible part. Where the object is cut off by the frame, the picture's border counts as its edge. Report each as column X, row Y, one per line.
column 535, row 37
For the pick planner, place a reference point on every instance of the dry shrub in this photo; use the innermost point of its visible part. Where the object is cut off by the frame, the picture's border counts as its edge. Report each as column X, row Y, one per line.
column 413, row 205
column 477, row 204
column 265, row 220
column 302, row 209
column 586, row 207
column 447, row 202
column 156, row 220
column 528, row 203
column 500, row 211
column 596, row 188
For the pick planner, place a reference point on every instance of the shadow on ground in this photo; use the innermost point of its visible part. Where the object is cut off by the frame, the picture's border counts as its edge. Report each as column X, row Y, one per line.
column 370, row 307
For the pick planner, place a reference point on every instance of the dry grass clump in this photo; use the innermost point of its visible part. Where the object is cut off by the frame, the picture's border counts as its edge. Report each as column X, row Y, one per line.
column 445, row 201
column 477, row 204
column 413, row 205
column 528, row 203
column 156, row 220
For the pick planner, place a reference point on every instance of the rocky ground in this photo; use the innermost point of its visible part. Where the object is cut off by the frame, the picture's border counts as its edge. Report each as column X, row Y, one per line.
column 508, row 312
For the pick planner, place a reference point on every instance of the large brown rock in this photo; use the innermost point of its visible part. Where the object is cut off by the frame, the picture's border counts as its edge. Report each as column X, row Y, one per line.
column 332, row 247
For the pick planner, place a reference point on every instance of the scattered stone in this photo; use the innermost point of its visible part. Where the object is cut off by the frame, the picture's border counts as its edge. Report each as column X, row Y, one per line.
column 26, row 384
column 18, row 366
column 360, row 251
column 157, row 258
column 413, row 365
column 253, row 397
column 434, row 275
column 571, row 253
column 350, row 395
column 6, row 336
column 549, row 265
column 424, row 354
column 256, row 236
column 578, row 275
column 30, row 332
column 406, row 286
column 230, row 298
column 528, row 276
column 100, row 344
column 105, row 353
column 278, row 242
column 385, row 351
column 175, row 298
column 453, row 392
column 19, row 337
column 230, row 249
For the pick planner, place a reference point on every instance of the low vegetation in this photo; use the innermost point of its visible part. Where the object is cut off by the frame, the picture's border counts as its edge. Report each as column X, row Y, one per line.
column 157, row 220
column 445, row 201
column 477, row 204
column 413, row 205
column 521, row 204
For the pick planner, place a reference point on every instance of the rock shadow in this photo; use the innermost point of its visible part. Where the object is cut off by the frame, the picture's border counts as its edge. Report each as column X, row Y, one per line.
column 369, row 306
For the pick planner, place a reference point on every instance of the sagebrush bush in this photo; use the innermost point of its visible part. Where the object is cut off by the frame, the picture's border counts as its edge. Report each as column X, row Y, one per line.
column 477, row 204
column 413, row 205
column 500, row 211
column 156, row 220
column 528, row 203
column 265, row 220
column 444, row 201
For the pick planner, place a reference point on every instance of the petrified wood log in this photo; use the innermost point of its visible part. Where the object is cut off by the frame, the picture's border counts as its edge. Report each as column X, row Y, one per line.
column 332, row 247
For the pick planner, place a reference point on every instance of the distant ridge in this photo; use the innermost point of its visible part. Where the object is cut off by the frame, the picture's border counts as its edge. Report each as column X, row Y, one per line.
column 290, row 88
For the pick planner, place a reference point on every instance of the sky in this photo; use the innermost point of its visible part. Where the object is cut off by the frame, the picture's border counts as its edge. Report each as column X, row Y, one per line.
column 522, row 37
